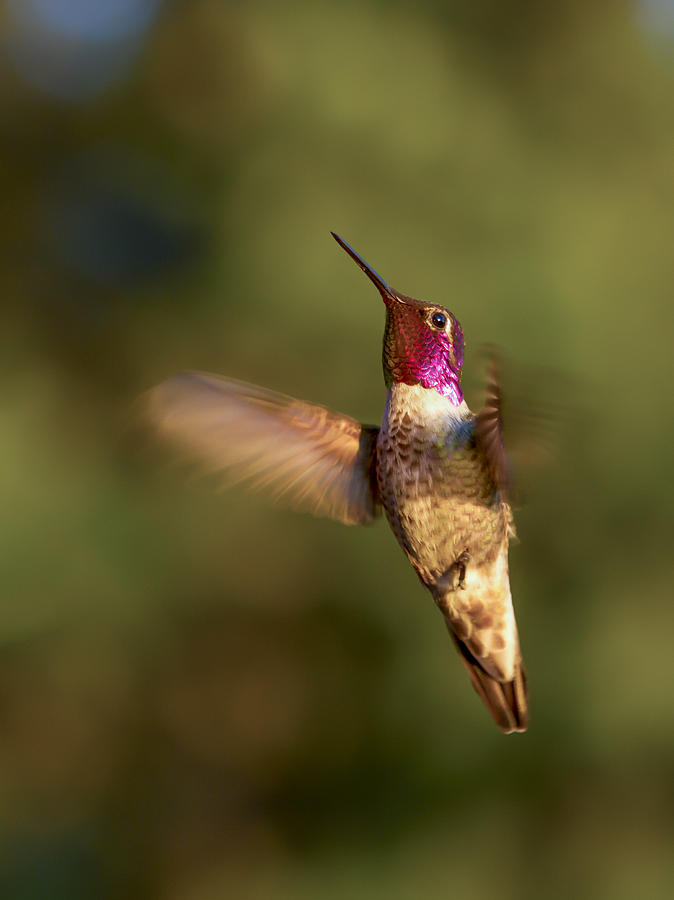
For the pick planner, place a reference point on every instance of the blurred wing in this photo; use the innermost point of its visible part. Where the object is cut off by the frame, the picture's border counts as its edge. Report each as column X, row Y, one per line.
column 540, row 409
column 489, row 432
column 309, row 457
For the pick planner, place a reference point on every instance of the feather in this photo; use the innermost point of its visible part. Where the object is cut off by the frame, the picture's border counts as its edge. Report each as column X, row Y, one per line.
column 303, row 454
column 489, row 432
column 506, row 700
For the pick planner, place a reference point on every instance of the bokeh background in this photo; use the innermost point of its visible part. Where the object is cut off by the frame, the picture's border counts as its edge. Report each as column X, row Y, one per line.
column 204, row 696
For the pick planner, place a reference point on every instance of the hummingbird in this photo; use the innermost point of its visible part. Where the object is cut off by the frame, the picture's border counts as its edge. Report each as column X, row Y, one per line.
column 438, row 471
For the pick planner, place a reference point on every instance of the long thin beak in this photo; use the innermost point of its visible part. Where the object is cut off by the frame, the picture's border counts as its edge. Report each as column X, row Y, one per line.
column 377, row 280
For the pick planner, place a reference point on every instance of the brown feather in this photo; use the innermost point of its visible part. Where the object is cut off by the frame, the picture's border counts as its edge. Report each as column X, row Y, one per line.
column 306, row 455
column 489, row 432
column 506, row 700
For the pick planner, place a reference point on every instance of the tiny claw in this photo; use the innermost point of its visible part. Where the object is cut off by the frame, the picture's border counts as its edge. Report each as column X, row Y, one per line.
column 461, row 563
column 454, row 579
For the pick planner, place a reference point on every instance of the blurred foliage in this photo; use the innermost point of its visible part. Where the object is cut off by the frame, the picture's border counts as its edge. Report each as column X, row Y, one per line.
column 204, row 696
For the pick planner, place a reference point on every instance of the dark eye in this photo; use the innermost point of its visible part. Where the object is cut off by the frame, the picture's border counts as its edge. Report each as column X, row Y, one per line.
column 438, row 320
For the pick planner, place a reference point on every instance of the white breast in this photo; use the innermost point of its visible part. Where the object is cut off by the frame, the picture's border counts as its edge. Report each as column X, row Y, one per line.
column 424, row 409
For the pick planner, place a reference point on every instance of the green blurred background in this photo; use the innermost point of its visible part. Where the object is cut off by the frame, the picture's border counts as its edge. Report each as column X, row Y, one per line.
column 206, row 696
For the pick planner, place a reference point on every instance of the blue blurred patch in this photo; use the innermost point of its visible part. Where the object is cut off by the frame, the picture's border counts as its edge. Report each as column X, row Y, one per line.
column 75, row 49
column 107, row 217
column 90, row 21
column 657, row 15
column 65, row 865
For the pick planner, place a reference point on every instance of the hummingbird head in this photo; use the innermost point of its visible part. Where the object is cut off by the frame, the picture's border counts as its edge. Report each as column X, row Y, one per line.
column 423, row 342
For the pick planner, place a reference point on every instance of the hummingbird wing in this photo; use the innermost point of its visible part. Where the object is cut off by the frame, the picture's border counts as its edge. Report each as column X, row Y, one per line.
column 306, row 455
column 489, row 431
column 532, row 416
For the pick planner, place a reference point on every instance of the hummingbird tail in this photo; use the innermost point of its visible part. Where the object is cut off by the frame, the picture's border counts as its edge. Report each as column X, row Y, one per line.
column 505, row 700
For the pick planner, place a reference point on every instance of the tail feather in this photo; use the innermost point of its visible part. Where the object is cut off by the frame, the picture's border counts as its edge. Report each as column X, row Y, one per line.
column 505, row 700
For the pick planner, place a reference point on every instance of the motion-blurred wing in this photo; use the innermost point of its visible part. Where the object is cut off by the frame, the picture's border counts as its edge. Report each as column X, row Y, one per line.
column 309, row 457
column 489, row 432
column 535, row 412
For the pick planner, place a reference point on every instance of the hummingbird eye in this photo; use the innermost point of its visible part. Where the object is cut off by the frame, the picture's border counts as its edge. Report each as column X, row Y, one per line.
column 439, row 320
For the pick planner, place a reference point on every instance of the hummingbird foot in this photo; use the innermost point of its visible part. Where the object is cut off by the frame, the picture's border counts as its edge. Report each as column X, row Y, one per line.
column 454, row 579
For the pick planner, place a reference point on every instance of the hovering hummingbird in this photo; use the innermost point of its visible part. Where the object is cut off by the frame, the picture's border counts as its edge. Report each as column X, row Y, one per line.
column 438, row 470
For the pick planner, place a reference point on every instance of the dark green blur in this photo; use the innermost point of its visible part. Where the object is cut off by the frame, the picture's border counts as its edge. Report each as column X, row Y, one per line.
column 203, row 696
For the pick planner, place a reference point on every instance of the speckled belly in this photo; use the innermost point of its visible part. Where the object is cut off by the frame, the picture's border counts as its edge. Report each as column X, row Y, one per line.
column 439, row 499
